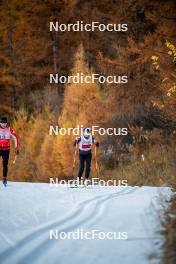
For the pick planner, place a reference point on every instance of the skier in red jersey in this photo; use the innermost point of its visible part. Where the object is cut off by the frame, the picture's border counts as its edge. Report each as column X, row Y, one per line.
column 6, row 133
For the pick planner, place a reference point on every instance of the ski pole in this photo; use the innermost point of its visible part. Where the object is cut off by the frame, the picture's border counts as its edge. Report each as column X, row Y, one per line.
column 16, row 155
column 74, row 160
column 96, row 162
column 14, row 161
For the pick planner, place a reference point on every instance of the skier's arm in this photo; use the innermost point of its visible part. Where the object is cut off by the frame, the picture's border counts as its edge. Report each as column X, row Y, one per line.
column 77, row 140
column 15, row 139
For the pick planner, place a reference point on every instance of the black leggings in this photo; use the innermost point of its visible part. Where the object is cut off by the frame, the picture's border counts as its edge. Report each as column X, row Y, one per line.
column 82, row 159
column 5, row 159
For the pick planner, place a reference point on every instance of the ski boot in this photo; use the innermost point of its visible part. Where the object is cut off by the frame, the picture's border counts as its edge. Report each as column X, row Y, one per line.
column 86, row 182
column 4, row 181
column 79, row 182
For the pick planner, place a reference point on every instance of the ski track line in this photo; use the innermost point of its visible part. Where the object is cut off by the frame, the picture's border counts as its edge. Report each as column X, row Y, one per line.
column 39, row 232
column 97, row 211
column 35, row 233
column 7, row 239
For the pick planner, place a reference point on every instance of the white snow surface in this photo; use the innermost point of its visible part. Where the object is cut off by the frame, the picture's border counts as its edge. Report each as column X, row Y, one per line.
column 29, row 211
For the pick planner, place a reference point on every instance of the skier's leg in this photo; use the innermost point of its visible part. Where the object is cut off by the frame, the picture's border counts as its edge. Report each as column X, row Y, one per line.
column 88, row 165
column 5, row 160
column 81, row 166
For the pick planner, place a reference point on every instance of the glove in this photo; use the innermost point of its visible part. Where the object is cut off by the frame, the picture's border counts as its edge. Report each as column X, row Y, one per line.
column 97, row 144
column 17, row 151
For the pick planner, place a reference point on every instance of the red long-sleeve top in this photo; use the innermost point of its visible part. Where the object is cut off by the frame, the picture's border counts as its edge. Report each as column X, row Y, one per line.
column 5, row 136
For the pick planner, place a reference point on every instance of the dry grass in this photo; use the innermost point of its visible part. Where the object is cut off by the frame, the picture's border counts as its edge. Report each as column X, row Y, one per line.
column 157, row 169
column 170, row 234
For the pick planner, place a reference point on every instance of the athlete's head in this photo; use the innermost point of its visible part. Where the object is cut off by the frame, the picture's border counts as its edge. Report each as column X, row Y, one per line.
column 86, row 132
column 3, row 122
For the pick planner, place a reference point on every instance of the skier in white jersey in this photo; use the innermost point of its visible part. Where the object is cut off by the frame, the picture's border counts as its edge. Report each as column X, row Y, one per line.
column 85, row 143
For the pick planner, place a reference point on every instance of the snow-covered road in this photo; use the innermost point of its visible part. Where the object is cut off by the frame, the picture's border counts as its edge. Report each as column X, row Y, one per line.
column 30, row 213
